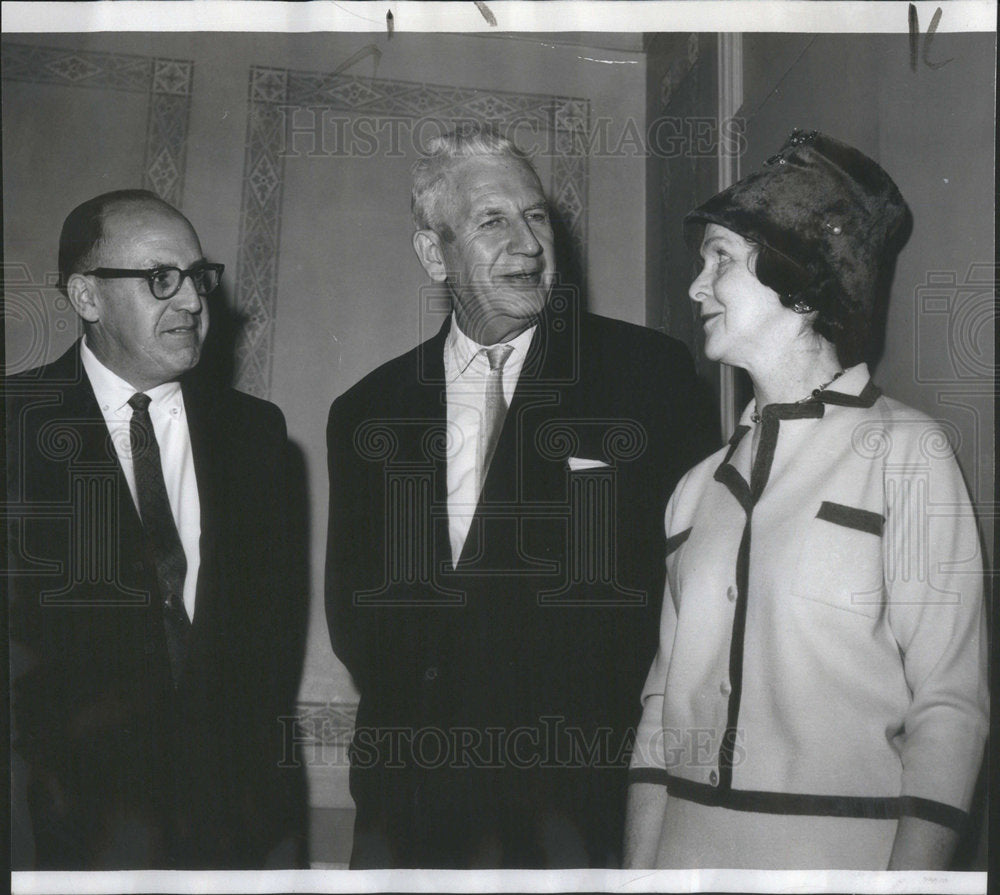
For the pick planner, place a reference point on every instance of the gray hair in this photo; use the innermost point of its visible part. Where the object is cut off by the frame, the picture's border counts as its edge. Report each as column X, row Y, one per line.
column 430, row 173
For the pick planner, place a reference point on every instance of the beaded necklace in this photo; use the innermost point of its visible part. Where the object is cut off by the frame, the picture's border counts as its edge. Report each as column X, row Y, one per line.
column 812, row 396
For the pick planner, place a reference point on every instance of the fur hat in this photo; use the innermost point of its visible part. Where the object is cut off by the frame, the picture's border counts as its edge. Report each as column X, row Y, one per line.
column 826, row 207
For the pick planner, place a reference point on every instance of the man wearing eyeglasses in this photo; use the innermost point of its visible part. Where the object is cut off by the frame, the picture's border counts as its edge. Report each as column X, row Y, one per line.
column 155, row 641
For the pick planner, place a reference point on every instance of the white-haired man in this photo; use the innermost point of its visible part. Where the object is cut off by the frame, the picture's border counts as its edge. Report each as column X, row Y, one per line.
column 495, row 560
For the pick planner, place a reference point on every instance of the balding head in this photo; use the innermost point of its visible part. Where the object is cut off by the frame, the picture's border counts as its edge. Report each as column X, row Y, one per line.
column 84, row 228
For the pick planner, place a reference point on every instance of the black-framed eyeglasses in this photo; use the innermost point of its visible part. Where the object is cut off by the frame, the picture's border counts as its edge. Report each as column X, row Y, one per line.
column 166, row 282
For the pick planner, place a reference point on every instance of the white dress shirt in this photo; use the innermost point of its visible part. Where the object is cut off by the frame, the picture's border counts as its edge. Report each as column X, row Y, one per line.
column 466, row 369
column 166, row 411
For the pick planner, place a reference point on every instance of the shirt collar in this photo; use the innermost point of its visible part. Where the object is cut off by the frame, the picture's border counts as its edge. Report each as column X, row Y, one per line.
column 460, row 352
column 852, row 382
column 113, row 392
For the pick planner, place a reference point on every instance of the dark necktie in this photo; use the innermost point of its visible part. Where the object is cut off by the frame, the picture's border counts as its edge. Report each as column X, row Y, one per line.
column 160, row 531
column 494, row 408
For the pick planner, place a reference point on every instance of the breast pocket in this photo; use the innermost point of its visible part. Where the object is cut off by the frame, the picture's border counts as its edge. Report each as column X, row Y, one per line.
column 840, row 563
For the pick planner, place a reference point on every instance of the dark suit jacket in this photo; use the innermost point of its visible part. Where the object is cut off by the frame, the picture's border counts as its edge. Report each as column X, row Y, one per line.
column 125, row 770
column 497, row 699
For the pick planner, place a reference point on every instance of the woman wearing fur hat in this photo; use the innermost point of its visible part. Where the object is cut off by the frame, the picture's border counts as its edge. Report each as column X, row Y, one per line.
column 819, row 698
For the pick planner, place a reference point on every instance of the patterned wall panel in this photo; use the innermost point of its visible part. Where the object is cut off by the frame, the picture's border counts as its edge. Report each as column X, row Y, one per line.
column 166, row 82
column 273, row 98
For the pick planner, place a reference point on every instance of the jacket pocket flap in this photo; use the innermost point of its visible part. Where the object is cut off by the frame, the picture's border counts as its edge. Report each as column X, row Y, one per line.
column 851, row 517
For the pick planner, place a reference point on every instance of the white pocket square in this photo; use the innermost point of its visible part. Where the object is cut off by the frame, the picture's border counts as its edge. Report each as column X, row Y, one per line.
column 578, row 463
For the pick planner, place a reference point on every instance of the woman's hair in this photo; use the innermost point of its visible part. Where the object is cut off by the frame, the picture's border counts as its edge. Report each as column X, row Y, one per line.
column 808, row 293
column 830, row 223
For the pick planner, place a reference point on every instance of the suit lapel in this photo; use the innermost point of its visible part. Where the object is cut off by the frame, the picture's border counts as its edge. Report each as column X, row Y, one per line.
column 96, row 447
column 428, row 403
column 539, row 397
column 80, row 405
column 207, row 447
column 98, row 458
column 518, row 474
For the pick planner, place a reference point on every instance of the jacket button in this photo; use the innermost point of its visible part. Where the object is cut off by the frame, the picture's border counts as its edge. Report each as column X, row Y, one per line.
column 731, row 594
column 725, row 688
column 431, row 674
column 713, row 778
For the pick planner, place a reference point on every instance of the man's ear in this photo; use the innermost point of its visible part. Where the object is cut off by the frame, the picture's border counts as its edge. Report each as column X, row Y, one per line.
column 82, row 294
column 427, row 245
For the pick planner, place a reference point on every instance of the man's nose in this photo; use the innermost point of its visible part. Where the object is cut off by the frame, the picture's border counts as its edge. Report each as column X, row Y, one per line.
column 523, row 240
column 187, row 297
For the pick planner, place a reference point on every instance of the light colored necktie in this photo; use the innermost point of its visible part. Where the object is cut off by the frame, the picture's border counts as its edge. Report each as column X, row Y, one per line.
column 494, row 408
